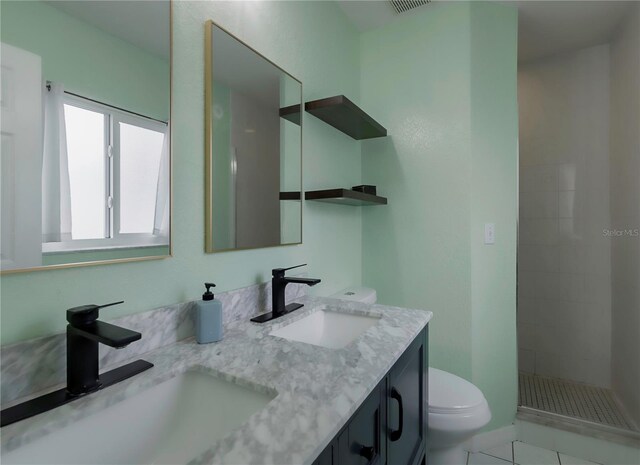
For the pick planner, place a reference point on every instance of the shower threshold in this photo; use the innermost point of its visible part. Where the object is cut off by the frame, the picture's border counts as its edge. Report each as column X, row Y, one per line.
column 621, row 436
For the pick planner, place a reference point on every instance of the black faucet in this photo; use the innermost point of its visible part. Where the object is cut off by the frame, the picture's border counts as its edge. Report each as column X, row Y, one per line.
column 84, row 334
column 278, row 284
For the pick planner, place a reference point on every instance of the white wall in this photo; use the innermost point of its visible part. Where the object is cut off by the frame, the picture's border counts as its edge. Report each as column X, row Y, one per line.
column 255, row 131
column 564, row 283
column 625, row 211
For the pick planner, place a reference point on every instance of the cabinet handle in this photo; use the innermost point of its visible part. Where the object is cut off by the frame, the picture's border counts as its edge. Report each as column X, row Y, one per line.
column 368, row 453
column 395, row 435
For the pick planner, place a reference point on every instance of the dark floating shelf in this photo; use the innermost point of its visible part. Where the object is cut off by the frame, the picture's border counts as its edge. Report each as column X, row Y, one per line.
column 291, row 113
column 345, row 197
column 290, row 195
column 346, row 116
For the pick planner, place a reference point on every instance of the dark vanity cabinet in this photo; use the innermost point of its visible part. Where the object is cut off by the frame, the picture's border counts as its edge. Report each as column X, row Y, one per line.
column 406, row 398
column 390, row 426
column 328, row 455
column 362, row 441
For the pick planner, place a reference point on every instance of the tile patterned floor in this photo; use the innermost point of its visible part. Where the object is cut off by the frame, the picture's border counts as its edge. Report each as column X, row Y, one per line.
column 572, row 399
column 520, row 453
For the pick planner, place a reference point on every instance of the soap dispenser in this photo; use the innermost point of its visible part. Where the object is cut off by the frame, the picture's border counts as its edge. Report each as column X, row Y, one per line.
column 208, row 317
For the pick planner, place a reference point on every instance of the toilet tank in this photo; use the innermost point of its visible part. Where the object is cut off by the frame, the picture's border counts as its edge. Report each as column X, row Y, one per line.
column 364, row 295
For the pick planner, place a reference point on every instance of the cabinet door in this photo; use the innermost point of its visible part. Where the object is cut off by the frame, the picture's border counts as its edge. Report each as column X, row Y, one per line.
column 361, row 443
column 326, row 457
column 407, row 405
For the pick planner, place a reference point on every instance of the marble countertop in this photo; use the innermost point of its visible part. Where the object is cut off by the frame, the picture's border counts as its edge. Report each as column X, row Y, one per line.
column 318, row 389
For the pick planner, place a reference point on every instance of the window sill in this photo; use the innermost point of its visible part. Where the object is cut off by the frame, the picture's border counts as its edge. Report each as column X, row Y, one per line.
column 91, row 245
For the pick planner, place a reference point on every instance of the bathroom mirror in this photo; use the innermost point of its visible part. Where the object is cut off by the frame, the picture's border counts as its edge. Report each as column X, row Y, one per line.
column 85, row 155
column 253, row 148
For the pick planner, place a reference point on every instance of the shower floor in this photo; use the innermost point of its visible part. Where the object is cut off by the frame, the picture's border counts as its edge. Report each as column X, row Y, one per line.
column 572, row 399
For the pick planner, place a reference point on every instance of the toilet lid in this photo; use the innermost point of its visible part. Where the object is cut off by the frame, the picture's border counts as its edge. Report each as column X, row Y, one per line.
column 449, row 393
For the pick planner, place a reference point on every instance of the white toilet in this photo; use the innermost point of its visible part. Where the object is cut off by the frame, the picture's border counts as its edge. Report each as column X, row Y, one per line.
column 457, row 410
column 364, row 295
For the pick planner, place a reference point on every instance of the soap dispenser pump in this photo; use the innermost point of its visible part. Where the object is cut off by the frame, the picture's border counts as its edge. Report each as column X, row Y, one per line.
column 208, row 317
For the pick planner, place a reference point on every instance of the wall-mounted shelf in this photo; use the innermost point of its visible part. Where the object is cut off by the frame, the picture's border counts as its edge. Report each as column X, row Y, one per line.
column 346, row 116
column 345, row 197
column 290, row 195
column 291, row 113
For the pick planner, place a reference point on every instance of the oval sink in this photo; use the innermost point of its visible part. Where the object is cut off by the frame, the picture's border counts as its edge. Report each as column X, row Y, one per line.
column 326, row 328
column 170, row 423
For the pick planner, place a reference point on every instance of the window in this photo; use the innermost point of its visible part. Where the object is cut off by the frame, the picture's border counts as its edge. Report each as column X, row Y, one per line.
column 87, row 142
column 140, row 148
column 115, row 163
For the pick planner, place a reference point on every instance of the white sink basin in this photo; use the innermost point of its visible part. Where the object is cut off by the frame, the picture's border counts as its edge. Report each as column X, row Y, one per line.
column 170, row 423
column 325, row 328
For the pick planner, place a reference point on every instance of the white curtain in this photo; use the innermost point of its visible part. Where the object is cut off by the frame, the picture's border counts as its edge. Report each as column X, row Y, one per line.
column 56, row 191
column 161, row 219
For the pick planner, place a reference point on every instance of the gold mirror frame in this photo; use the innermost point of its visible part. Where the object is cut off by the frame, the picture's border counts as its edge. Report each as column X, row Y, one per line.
column 208, row 159
column 132, row 259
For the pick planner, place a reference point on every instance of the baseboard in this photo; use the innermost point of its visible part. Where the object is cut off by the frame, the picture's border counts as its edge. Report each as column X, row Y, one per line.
column 491, row 439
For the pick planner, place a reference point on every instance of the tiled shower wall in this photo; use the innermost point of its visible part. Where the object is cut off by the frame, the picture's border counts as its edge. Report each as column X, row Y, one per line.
column 625, row 212
column 564, row 259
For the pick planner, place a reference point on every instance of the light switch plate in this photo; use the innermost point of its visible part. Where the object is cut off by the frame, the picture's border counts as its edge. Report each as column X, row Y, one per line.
column 489, row 233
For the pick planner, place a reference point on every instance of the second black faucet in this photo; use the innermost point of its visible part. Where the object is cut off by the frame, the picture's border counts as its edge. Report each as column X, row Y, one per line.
column 278, row 284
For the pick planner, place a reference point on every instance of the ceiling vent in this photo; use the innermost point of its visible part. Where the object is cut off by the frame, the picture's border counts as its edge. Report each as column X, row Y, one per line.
column 405, row 5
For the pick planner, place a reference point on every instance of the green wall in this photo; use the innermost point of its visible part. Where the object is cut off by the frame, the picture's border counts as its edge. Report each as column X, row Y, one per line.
column 443, row 81
column 315, row 43
column 87, row 60
column 290, row 169
column 494, row 199
column 416, row 81
column 221, row 167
